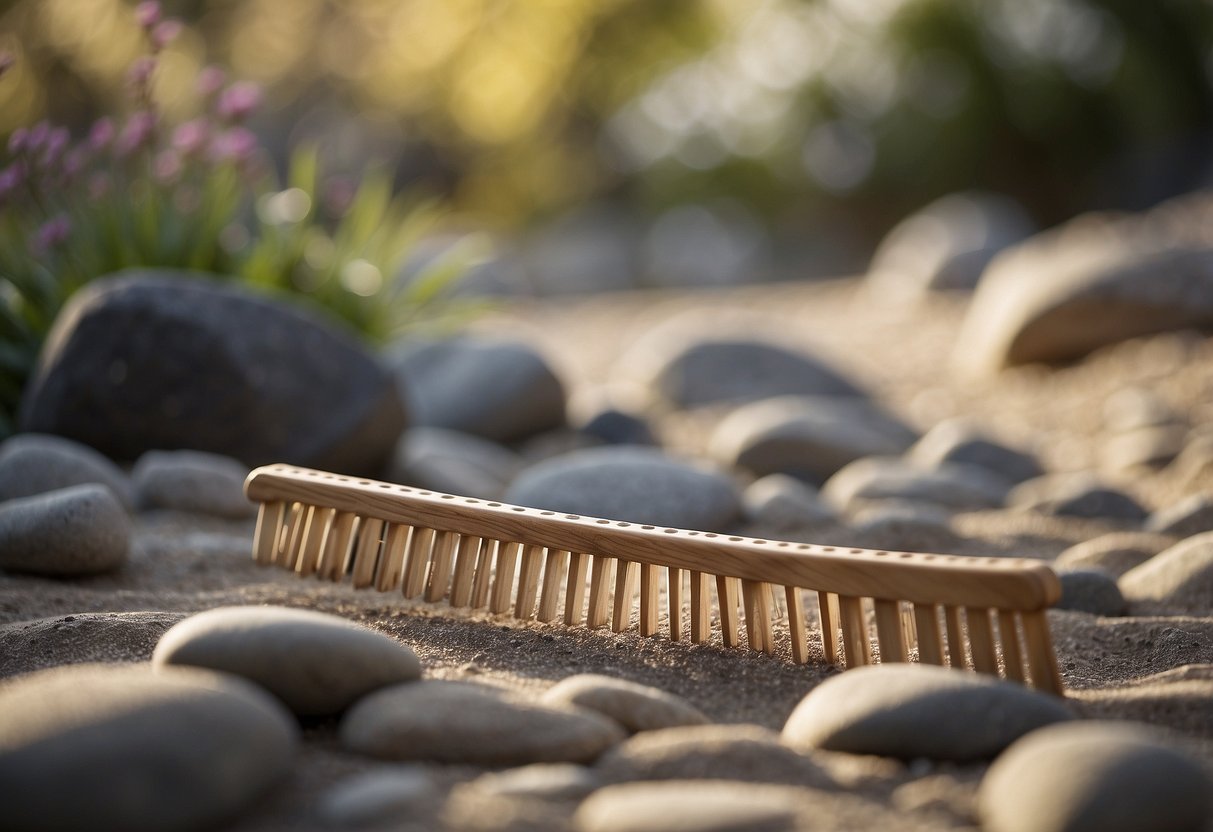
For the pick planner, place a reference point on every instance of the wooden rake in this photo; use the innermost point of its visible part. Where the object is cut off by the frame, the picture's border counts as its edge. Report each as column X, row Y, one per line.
column 983, row 613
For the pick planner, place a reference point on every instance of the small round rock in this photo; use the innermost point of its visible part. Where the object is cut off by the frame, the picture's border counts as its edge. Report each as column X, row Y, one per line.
column 1094, row 777
column 540, row 781
column 192, row 481
column 461, row 722
column 81, row 530
column 1189, row 516
column 910, row 711
column 634, row 706
column 690, row 806
column 123, row 747
column 1090, row 590
column 317, row 664
column 34, row 463
column 781, row 502
column 375, row 797
column 1115, row 553
column 1178, row 579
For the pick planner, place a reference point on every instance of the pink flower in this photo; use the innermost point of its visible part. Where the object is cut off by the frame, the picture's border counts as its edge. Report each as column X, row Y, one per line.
column 238, row 100
column 101, row 134
column 75, row 161
column 235, row 144
column 165, row 33
column 51, row 234
column 11, row 179
column 147, row 14
column 137, row 132
column 191, row 137
column 140, row 72
column 56, row 143
column 210, row 80
column 18, row 140
column 167, row 166
column 37, row 136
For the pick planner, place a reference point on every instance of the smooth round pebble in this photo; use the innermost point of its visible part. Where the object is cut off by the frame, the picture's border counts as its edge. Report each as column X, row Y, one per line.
column 781, row 502
column 1189, row 516
column 316, row 663
column 909, row 711
column 1090, row 590
column 453, row 463
column 1075, row 495
column 1115, row 553
column 192, row 481
column 81, row 530
column 956, row 441
column 1094, row 777
column 900, row 517
column 375, row 797
column 540, row 781
column 634, row 706
column 689, row 806
column 459, row 722
column 123, row 747
column 1179, row 579
column 34, row 463
column 891, row 478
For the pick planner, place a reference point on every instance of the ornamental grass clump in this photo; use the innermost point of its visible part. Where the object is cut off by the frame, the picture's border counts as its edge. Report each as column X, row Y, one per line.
column 200, row 196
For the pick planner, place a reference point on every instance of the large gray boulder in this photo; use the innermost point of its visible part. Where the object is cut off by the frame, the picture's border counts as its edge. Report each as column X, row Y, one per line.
column 150, row 360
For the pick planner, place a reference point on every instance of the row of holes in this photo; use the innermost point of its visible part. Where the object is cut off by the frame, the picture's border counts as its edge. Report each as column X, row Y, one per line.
column 403, row 489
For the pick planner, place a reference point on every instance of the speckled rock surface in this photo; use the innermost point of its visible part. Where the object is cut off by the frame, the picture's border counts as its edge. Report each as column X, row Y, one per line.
column 81, row 530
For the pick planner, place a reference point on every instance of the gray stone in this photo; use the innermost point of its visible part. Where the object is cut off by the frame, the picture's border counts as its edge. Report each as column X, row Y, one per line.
column 373, row 798
column 947, row 244
column 956, row 441
column 316, row 663
column 540, row 781
column 148, row 360
column 453, row 463
column 497, row 389
column 690, row 806
column 1179, row 579
column 807, row 437
column 615, row 426
column 1076, row 495
column 1115, row 553
column 1095, row 777
column 634, row 706
column 34, row 463
column 122, row 747
column 900, row 516
column 1150, row 447
column 1090, row 590
column 889, row 478
column 632, row 484
column 81, row 530
column 1189, row 516
column 909, row 711
column 783, row 503
column 459, row 722
column 26, row 646
column 711, row 752
column 192, row 481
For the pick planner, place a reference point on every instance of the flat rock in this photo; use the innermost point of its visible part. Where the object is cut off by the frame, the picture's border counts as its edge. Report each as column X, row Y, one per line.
column 148, row 360
column 540, row 781
column 910, row 711
column 634, row 706
column 783, row 503
column 316, row 663
column 192, row 481
column 1076, row 495
column 633, row 484
column 123, row 747
column 34, row 463
column 709, row 752
column 378, row 797
column 1179, row 579
column 497, row 389
column 957, row 441
column 807, row 437
column 1188, row 517
column 1115, row 553
column 1095, row 777
column 81, row 530
column 453, row 463
column 459, row 722
column 889, row 478
column 26, row 646
column 1090, row 590
column 690, row 806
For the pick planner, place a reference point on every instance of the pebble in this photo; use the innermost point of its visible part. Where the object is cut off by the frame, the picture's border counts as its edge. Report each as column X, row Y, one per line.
column 1090, row 590
column 783, row 503
column 493, row 388
column 1180, row 578
column 634, row 706
column 807, row 437
column 889, row 478
column 690, row 806
column 34, row 463
column 540, row 781
column 1115, row 553
column 1149, row 447
column 26, row 646
column 638, row 485
column 1076, row 495
column 1095, row 777
column 900, row 517
column 192, row 481
column 1136, row 407
column 712, row 752
column 452, row 462
column 460, row 722
column 615, row 426
column 80, row 530
column 316, row 663
column 123, row 747
column 1189, row 516
column 957, row 441
column 376, row 797
column 910, row 711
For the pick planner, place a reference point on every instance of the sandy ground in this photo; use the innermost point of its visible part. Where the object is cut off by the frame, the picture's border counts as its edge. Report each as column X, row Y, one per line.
column 1119, row 668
